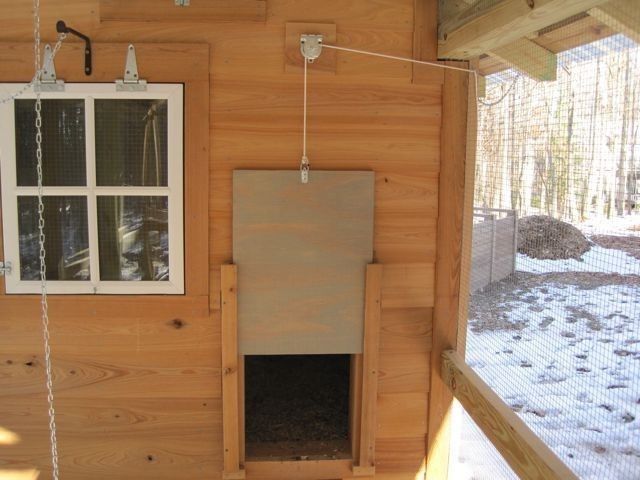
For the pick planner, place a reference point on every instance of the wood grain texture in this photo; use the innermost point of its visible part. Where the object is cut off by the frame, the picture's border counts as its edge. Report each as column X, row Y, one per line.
column 448, row 258
column 230, row 392
column 525, row 452
column 408, row 285
column 467, row 217
column 299, row 470
column 584, row 30
column 370, row 365
column 504, row 23
column 293, row 59
column 368, row 116
column 197, row 11
column 528, row 58
column 302, row 251
column 621, row 15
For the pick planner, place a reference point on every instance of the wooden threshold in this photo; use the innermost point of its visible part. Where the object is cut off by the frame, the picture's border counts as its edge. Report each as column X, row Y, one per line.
column 300, row 470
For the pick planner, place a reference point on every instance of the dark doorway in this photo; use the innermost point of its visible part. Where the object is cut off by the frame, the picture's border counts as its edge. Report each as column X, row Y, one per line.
column 297, row 406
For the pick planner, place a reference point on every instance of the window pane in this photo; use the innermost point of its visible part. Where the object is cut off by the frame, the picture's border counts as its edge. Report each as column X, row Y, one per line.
column 133, row 238
column 63, row 142
column 66, row 238
column 131, row 142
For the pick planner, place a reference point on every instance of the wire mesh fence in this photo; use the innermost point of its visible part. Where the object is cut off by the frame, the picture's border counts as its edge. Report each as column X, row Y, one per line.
column 556, row 333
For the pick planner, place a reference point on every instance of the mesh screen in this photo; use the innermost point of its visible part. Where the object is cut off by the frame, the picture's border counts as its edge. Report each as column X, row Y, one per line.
column 66, row 238
column 554, row 313
column 131, row 142
column 133, row 237
column 63, row 143
column 473, row 456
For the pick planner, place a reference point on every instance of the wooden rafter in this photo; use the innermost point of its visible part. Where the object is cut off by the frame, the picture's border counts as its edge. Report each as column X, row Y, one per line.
column 556, row 39
column 621, row 15
column 502, row 24
column 528, row 58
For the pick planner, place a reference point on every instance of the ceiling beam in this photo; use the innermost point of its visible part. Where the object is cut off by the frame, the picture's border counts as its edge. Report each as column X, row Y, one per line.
column 528, row 58
column 621, row 15
column 565, row 37
column 504, row 23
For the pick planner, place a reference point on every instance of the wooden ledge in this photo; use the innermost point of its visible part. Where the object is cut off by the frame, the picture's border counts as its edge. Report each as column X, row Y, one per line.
column 300, row 469
column 239, row 475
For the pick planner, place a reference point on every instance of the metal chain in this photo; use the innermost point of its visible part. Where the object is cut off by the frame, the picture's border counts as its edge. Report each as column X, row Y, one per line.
column 41, row 238
column 39, row 70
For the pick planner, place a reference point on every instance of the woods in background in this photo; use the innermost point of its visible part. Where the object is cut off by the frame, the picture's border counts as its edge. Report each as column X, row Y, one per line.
column 569, row 148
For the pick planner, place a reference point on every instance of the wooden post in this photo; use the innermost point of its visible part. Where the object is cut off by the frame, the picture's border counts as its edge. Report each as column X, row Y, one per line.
column 451, row 194
column 515, row 240
column 230, row 417
column 365, row 463
column 493, row 248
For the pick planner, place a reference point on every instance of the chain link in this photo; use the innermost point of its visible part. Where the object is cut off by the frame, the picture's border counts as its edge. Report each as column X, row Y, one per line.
column 41, row 238
column 39, row 71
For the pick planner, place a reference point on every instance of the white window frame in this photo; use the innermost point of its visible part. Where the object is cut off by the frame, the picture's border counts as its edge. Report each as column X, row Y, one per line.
column 173, row 93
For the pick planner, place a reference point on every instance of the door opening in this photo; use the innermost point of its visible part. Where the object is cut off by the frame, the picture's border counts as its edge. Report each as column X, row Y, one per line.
column 297, row 407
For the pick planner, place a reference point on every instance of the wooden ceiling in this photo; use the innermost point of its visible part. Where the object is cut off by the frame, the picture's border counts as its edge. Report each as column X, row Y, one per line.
column 527, row 35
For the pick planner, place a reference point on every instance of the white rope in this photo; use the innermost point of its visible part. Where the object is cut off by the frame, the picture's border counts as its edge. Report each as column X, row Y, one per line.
column 502, row 97
column 44, row 306
column 304, row 162
column 393, row 57
column 431, row 64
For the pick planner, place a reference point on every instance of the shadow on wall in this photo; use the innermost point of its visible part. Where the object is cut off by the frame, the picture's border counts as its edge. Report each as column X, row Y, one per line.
column 9, row 438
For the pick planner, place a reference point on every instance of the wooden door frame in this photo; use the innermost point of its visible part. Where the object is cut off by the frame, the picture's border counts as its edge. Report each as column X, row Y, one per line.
column 363, row 395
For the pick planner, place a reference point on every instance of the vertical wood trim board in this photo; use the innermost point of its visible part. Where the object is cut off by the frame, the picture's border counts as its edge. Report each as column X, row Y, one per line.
column 355, row 402
column 370, row 365
column 448, row 259
column 230, row 418
column 467, row 215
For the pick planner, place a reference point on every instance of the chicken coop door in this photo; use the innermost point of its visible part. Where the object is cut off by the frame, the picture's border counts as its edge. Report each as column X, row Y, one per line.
column 301, row 252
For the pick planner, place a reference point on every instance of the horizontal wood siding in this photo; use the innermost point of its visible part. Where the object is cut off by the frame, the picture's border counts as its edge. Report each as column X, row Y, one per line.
column 138, row 381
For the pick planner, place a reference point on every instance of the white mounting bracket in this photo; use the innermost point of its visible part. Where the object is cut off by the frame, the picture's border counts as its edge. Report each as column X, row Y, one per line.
column 182, row 3
column 310, row 46
column 131, row 81
column 304, row 170
column 5, row 268
column 48, row 81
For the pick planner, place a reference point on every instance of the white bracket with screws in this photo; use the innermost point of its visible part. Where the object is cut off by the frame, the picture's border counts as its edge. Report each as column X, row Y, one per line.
column 311, row 46
column 5, row 268
column 131, row 81
column 48, row 81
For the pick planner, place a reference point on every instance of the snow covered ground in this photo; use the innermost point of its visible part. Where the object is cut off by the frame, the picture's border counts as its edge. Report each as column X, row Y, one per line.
column 565, row 354
column 597, row 259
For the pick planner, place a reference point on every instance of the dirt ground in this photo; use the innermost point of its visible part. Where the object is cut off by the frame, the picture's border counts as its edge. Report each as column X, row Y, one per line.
column 489, row 309
column 630, row 245
column 297, row 398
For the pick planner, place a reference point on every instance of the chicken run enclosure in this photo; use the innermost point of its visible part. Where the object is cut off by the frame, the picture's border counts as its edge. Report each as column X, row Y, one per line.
column 339, row 240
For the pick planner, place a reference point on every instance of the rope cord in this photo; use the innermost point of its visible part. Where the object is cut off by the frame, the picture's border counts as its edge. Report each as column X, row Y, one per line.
column 304, row 120
column 431, row 64
column 304, row 161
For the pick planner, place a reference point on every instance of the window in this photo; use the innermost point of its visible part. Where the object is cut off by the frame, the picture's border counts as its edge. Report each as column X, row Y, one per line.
column 112, row 186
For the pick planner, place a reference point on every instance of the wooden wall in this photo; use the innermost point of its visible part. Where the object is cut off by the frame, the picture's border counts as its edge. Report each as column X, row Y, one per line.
column 138, row 379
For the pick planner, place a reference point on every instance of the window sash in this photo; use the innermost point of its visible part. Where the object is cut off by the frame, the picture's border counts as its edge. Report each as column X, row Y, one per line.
column 173, row 93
